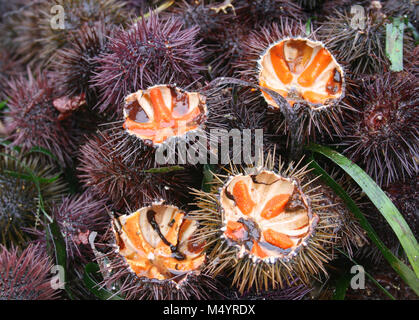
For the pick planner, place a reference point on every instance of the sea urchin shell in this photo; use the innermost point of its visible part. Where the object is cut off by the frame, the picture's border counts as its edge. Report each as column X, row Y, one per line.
column 161, row 259
column 265, row 226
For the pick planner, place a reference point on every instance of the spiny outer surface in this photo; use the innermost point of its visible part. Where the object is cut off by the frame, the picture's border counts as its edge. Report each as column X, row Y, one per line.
column 19, row 197
column 152, row 50
column 25, row 275
column 382, row 135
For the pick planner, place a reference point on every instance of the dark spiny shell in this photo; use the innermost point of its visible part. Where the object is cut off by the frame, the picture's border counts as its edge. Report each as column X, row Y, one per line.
column 152, row 50
column 112, row 174
column 35, row 41
column 266, row 12
column 25, row 275
column 382, row 135
column 362, row 49
column 405, row 196
column 78, row 216
column 19, row 197
column 75, row 65
column 33, row 119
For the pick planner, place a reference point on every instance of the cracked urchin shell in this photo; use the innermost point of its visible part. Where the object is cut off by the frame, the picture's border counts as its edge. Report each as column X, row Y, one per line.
column 32, row 118
column 361, row 45
column 152, row 255
column 25, row 275
column 106, row 167
column 19, row 197
column 382, row 134
column 265, row 227
column 152, row 50
column 75, row 65
column 182, row 126
column 302, row 70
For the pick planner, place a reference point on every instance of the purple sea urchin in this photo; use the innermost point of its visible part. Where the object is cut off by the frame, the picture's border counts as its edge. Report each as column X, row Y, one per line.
column 265, row 226
column 19, row 196
column 111, row 174
column 34, row 120
column 25, row 275
column 75, row 65
column 382, row 135
column 153, row 255
column 266, row 12
column 153, row 50
column 78, row 216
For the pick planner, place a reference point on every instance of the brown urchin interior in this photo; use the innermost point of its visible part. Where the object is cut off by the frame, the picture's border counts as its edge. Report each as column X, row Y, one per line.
column 157, row 243
column 163, row 111
column 301, row 70
column 266, row 215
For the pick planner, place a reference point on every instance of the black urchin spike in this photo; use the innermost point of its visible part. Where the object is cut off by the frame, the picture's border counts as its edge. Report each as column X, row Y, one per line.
column 382, row 135
column 26, row 275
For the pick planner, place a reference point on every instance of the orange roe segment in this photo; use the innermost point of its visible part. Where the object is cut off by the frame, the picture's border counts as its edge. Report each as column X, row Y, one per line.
column 161, row 112
column 280, row 65
column 315, row 97
column 258, row 251
column 277, row 239
column 242, row 198
column 316, row 67
column 275, row 206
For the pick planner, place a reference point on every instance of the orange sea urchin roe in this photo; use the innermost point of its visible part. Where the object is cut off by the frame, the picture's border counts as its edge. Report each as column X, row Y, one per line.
column 265, row 214
column 242, row 197
column 278, row 239
column 163, row 111
column 275, row 206
column 157, row 242
column 301, row 70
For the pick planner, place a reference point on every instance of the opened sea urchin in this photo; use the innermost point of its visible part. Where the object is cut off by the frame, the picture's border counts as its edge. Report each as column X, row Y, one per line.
column 265, row 227
column 154, row 255
column 304, row 72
